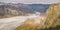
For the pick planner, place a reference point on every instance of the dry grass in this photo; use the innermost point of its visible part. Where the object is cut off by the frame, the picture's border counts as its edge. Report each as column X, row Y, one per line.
column 50, row 22
column 30, row 24
column 52, row 17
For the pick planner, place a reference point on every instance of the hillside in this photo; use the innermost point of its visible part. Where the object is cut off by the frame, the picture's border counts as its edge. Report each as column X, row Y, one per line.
column 7, row 11
column 12, row 9
column 53, row 15
column 52, row 19
column 30, row 24
column 50, row 22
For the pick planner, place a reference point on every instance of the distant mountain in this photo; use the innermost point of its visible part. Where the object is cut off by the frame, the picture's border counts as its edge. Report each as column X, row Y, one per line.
column 19, row 8
column 31, row 8
column 39, row 7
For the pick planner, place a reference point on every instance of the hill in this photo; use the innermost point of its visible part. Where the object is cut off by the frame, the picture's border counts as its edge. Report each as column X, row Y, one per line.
column 52, row 19
column 30, row 24
column 12, row 9
column 50, row 22
column 53, row 15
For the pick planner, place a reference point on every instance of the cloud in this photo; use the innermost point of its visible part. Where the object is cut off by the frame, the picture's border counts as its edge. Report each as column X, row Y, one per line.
column 32, row 1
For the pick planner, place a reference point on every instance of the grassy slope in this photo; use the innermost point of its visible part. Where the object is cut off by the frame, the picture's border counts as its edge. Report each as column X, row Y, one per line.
column 53, row 15
column 51, row 21
column 29, row 24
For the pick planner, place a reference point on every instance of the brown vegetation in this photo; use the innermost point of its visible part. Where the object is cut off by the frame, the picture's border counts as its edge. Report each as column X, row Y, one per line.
column 51, row 21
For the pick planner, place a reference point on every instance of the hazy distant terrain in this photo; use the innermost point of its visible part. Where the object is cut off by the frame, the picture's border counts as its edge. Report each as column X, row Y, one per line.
column 12, row 9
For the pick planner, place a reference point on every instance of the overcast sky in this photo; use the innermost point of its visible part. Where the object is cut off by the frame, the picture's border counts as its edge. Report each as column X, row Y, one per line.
column 32, row 1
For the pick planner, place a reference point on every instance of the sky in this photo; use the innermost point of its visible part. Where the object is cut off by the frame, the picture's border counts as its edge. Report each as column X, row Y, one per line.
column 31, row 1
